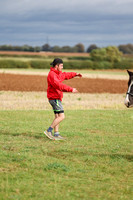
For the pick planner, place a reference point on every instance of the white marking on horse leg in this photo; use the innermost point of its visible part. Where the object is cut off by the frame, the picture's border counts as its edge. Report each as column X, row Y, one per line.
column 126, row 102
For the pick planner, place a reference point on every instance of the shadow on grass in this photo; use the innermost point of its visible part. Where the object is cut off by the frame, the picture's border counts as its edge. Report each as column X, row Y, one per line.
column 118, row 156
column 35, row 135
column 71, row 154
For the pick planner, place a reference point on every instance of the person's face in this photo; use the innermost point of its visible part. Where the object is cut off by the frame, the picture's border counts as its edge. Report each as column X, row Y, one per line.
column 60, row 67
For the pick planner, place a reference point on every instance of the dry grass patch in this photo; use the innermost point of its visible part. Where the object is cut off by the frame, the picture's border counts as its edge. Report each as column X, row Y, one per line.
column 38, row 101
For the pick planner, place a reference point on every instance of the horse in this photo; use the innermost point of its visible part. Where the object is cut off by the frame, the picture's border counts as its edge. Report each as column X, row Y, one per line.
column 129, row 94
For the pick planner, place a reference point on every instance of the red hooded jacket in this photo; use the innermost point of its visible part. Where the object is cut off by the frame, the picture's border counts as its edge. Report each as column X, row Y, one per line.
column 55, row 86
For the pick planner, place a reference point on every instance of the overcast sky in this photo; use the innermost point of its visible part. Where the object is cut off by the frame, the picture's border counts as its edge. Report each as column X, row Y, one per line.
column 66, row 22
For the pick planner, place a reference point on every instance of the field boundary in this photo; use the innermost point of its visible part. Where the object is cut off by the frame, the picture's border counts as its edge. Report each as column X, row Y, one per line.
column 85, row 75
column 43, row 53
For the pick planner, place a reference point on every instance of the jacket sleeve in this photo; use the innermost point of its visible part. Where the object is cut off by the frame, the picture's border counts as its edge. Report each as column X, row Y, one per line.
column 69, row 75
column 58, row 85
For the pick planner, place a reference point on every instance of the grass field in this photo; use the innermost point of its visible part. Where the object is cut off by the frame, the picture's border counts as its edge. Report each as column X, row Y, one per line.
column 94, row 163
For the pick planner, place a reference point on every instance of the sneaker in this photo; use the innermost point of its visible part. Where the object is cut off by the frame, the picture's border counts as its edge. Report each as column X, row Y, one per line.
column 49, row 135
column 59, row 137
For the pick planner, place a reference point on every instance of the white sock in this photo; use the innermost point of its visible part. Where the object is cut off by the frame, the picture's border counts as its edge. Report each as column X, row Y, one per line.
column 56, row 133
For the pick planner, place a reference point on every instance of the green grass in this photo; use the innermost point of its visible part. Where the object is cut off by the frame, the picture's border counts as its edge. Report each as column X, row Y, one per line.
column 94, row 163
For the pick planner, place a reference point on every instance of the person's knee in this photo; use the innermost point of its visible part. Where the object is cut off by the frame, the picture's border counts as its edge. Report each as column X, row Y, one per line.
column 62, row 116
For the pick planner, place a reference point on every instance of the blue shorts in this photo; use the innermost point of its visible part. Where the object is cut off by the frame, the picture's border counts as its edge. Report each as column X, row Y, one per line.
column 57, row 106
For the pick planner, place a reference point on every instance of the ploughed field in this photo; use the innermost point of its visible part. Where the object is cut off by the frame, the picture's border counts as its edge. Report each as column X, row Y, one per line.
column 17, row 82
column 43, row 53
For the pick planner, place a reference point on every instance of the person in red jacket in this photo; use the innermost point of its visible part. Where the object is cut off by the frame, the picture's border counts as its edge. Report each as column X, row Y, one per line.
column 55, row 94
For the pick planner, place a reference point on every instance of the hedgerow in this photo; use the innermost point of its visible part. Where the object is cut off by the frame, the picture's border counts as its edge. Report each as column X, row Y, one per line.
column 68, row 64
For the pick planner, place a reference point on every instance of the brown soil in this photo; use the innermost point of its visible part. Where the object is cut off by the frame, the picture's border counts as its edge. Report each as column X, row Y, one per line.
column 13, row 82
column 42, row 53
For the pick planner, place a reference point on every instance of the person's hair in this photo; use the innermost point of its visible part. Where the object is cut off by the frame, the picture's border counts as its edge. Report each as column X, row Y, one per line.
column 56, row 61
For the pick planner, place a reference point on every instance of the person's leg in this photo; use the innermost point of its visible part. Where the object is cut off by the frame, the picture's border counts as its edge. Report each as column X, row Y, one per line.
column 58, row 118
column 56, row 128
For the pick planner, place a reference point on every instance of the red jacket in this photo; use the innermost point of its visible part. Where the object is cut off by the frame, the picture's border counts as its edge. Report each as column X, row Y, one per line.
column 55, row 86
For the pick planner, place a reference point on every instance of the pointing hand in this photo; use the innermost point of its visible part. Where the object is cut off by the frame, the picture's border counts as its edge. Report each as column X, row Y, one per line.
column 75, row 90
column 78, row 74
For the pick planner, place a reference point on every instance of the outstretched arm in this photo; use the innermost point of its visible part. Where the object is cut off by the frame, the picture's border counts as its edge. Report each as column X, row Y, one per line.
column 54, row 81
column 69, row 75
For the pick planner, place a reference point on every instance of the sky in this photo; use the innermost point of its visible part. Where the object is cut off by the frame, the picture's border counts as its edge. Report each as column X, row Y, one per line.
column 66, row 22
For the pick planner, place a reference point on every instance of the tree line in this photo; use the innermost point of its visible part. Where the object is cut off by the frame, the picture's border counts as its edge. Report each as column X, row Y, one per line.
column 125, row 49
